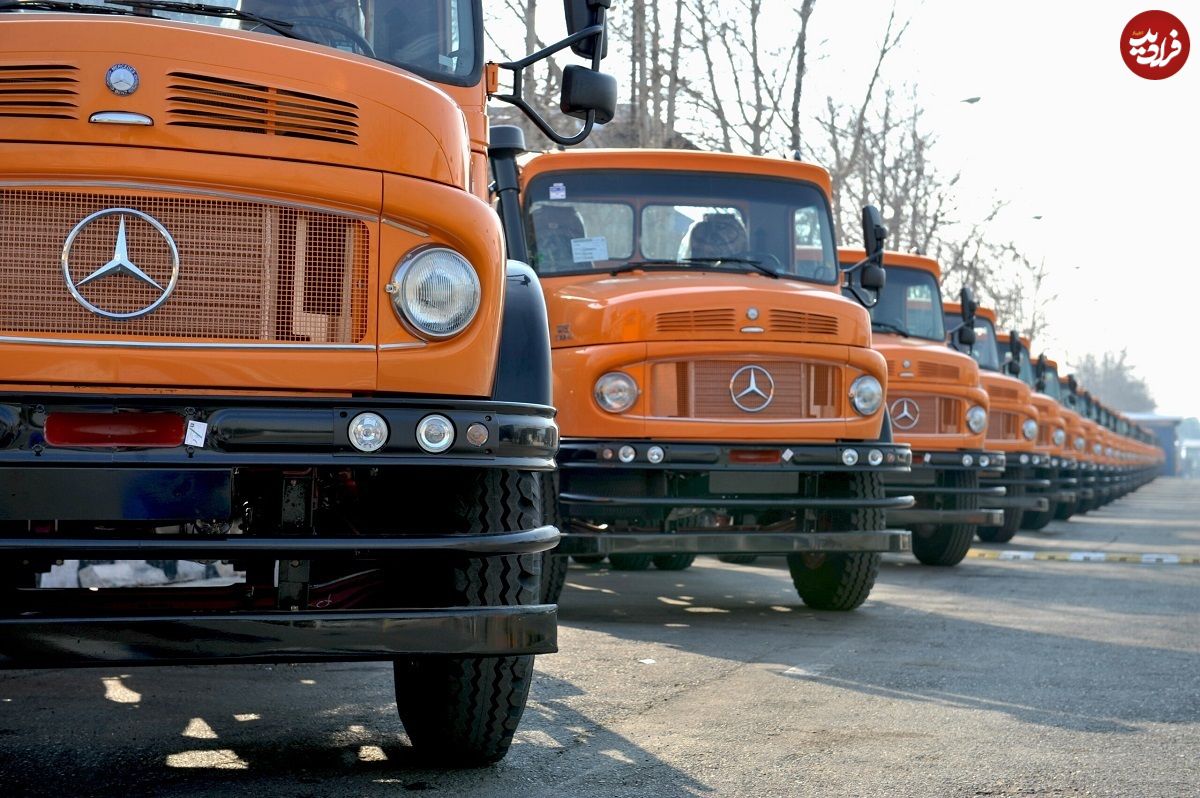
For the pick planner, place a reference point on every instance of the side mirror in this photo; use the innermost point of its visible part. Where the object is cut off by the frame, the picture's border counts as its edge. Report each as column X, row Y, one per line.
column 1040, row 371
column 970, row 307
column 1072, row 384
column 966, row 335
column 874, row 277
column 585, row 90
column 584, row 14
column 874, row 233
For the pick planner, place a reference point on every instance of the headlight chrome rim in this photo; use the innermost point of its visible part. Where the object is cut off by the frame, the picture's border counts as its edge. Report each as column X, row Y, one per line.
column 1029, row 429
column 606, row 401
column 977, row 419
column 866, row 395
column 368, row 432
column 398, row 289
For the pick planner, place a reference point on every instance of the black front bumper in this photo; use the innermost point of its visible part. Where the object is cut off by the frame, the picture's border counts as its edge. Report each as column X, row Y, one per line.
column 1025, row 486
column 921, row 482
column 35, row 642
column 639, row 480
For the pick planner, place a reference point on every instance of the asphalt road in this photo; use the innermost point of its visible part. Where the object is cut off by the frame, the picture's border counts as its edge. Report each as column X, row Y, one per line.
column 994, row 678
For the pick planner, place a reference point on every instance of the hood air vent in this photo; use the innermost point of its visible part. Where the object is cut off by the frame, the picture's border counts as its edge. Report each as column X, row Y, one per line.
column 681, row 321
column 38, row 91
column 216, row 103
column 801, row 323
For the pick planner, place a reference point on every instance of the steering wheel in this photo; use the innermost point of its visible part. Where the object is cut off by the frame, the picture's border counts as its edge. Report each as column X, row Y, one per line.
column 354, row 36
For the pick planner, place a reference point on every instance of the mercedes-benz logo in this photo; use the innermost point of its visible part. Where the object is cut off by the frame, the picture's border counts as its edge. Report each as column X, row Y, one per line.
column 122, row 80
column 752, row 388
column 121, row 263
column 905, row 413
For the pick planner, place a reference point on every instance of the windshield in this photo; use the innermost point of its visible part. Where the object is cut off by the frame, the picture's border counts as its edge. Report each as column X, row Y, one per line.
column 984, row 350
column 1026, row 375
column 1053, row 388
column 437, row 39
column 602, row 220
column 911, row 304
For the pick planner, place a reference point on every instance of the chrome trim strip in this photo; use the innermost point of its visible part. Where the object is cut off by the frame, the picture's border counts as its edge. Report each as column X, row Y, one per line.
column 17, row 339
column 173, row 189
column 120, row 118
column 410, row 345
column 406, row 228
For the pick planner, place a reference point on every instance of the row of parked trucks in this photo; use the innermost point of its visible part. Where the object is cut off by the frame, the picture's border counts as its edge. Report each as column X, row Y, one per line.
column 265, row 303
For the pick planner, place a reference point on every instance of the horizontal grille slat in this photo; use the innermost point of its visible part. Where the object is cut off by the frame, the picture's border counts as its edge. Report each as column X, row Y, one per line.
column 38, row 91
column 249, row 272
column 716, row 320
column 701, row 389
column 799, row 322
column 213, row 103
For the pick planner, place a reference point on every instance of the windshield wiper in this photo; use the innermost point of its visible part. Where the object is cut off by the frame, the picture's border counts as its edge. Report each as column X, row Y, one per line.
column 58, row 5
column 887, row 326
column 677, row 262
column 767, row 270
column 280, row 26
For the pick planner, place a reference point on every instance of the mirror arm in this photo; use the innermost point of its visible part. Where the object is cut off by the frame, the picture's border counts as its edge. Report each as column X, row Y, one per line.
column 864, row 299
column 517, row 99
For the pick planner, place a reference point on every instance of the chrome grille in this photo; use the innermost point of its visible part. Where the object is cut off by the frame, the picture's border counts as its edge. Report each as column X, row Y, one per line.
column 206, row 101
column 938, row 415
column 38, row 91
column 699, row 389
column 249, row 271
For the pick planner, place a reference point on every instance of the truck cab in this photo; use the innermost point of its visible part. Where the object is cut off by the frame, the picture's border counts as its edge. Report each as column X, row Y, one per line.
column 259, row 315
column 716, row 393
column 1070, row 448
column 1012, row 421
column 938, row 406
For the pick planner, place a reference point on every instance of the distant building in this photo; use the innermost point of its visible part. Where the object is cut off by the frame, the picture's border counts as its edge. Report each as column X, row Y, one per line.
column 1165, row 429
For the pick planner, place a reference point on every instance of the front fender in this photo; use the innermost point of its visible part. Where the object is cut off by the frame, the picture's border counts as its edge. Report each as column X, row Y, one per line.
column 523, row 370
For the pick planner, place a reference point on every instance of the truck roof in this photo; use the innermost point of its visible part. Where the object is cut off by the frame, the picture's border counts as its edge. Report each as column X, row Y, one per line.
column 954, row 307
column 679, row 161
column 891, row 258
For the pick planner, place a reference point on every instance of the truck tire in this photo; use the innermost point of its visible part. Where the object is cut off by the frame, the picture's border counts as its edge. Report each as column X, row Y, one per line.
column 673, row 562
column 737, row 559
column 1064, row 510
column 947, row 544
column 463, row 711
column 1013, row 518
column 554, row 566
column 1035, row 521
column 841, row 580
column 630, row 562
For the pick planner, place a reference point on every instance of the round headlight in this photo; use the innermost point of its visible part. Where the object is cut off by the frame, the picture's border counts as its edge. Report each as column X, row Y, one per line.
column 977, row 420
column 1060, row 436
column 1096, row 447
column 1029, row 429
column 435, row 291
column 866, row 394
column 1079, row 442
column 616, row 392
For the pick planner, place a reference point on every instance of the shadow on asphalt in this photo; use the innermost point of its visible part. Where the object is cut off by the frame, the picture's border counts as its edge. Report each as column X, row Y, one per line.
column 289, row 730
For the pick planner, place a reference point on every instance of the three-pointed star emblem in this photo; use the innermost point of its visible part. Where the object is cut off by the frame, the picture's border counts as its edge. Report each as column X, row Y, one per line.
column 905, row 413
column 120, row 263
column 752, row 388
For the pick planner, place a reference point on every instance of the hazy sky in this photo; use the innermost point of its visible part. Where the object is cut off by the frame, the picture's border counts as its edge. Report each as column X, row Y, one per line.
column 1064, row 131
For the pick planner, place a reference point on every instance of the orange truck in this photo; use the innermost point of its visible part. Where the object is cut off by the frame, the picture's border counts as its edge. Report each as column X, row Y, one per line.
column 257, row 310
column 716, row 393
column 938, row 406
column 1012, row 422
column 1052, row 448
column 1048, row 383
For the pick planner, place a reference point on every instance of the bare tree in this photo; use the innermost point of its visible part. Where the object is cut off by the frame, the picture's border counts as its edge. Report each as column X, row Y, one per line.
column 1111, row 379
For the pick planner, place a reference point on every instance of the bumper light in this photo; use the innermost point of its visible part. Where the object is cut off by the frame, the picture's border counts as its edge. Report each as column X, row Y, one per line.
column 435, row 291
column 435, row 434
column 626, row 454
column 655, row 454
column 1029, row 429
column 866, row 395
column 849, row 457
column 874, row 457
column 368, row 432
column 1024, row 459
column 477, row 434
column 977, row 420
column 984, row 460
column 616, row 392
column 968, row 460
